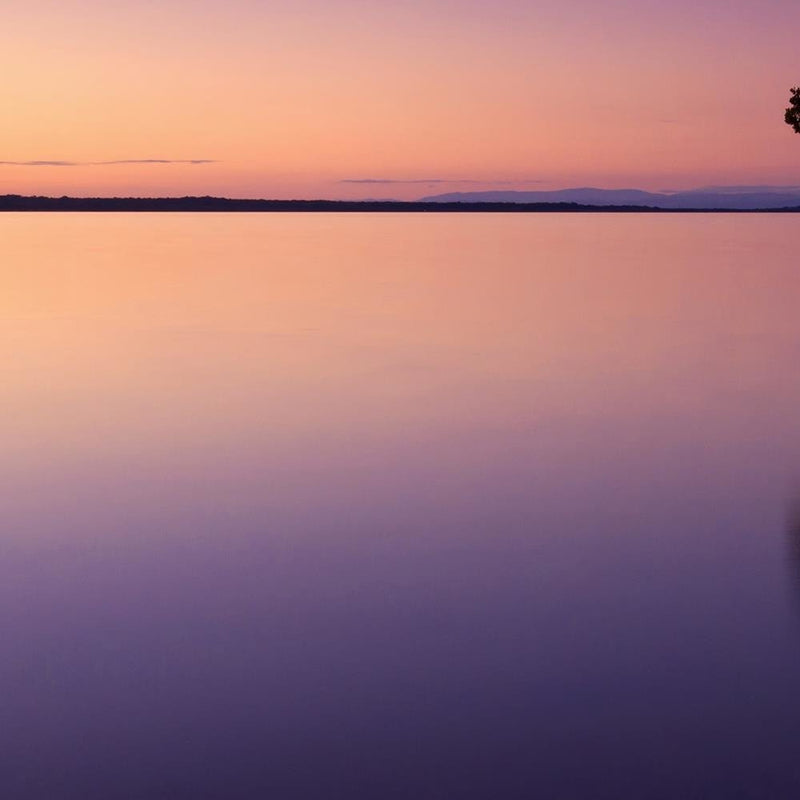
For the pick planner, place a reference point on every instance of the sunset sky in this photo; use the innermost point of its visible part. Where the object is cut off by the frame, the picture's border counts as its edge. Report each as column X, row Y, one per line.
column 372, row 99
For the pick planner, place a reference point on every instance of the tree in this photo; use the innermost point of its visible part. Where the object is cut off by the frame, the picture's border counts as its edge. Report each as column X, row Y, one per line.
column 792, row 115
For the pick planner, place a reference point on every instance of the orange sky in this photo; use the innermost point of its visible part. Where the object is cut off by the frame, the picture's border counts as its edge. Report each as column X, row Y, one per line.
column 292, row 99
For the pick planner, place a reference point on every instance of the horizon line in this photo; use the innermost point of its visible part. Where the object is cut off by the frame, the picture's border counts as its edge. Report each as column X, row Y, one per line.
column 206, row 203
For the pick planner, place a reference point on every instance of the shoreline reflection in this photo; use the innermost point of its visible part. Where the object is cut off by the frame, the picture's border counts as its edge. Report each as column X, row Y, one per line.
column 793, row 549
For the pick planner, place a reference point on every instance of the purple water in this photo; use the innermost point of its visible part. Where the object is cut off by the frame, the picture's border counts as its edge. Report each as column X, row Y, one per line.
column 399, row 506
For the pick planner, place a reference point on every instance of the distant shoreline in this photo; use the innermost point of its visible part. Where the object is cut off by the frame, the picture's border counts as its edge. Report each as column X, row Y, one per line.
column 14, row 202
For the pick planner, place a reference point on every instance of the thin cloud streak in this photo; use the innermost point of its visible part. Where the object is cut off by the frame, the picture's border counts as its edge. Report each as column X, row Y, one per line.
column 436, row 180
column 105, row 163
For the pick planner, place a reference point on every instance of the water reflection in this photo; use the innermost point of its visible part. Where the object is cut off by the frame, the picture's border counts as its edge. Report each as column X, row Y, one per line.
column 793, row 545
column 310, row 507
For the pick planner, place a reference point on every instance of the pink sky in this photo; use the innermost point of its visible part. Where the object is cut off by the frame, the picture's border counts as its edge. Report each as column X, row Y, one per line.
column 296, row 99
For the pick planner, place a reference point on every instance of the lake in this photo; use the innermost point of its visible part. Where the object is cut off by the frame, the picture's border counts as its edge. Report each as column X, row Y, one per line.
column 399, row 506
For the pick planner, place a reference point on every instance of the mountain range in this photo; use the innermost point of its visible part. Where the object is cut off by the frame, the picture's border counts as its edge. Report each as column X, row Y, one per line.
column 718, row 197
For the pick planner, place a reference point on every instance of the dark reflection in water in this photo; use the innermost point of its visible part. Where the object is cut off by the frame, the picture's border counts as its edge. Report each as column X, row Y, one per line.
column 793, row 545
column 395, row 507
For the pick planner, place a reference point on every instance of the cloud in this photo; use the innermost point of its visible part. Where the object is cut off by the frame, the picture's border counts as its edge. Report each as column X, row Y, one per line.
column 160, row 161
column 387, row 180
column 436, row 180
column 103, row 163
column 39, row 163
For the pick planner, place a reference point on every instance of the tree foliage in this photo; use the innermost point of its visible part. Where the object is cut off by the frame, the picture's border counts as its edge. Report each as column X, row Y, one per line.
column 792, row 115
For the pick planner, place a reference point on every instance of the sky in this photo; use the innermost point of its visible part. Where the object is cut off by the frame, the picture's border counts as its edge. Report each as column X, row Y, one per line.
column 380, row 99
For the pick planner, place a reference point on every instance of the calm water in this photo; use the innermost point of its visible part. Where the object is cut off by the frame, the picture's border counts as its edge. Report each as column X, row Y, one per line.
column 414, row 506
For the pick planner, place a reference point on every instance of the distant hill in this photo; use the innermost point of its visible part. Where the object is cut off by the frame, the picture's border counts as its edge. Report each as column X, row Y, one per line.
column 722, row 198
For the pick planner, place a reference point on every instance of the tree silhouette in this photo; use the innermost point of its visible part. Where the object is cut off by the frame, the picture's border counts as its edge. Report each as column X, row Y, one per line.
column 792, row 115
